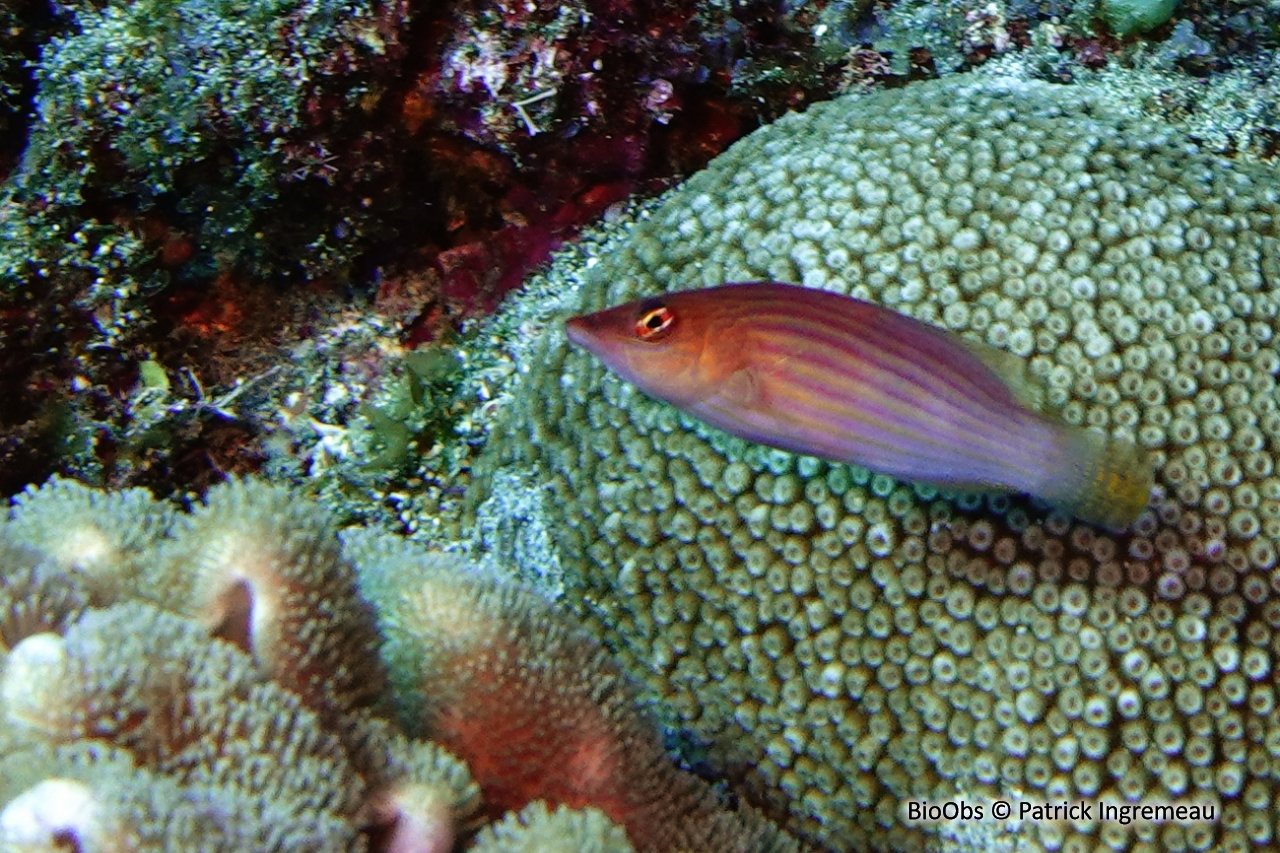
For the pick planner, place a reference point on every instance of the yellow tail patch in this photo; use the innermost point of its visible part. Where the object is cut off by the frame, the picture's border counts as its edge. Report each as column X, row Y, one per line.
column 1116, row 486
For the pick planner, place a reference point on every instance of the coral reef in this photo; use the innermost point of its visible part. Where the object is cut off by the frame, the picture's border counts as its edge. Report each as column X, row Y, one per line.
column 535, row 829
column 176, row 145
column 152, row 684
column 535, row 706
column 160, row 671
column 509, row 75
column 206, row 117
column 186, row 162
column 169, row 203
column 859, row 642
column 158, row 727
column 538, row 117
column 99, row 538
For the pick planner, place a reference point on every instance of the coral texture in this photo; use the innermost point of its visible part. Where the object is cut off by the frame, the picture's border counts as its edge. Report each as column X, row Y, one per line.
column 94, row 800
column 127, row 726
column 160, row 671
column 537, row 708
column 864, row 641
column 535, row 829
column 151, row 683
column 265, row 572
column 209, row 111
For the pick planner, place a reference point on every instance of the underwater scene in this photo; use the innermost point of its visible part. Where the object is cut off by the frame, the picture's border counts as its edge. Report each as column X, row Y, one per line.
column 593, row 427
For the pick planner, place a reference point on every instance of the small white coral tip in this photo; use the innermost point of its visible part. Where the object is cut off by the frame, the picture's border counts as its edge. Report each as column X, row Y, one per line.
column 55, row 808
column 30, row 672
column 423, row 821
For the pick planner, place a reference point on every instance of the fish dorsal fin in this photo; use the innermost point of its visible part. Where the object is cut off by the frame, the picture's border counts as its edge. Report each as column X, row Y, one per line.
column 1027, row 390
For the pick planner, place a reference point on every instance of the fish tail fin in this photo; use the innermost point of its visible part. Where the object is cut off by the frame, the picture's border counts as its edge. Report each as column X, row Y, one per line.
column 1108, row 484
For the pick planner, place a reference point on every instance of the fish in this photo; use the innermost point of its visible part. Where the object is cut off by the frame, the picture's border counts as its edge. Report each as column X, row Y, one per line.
column 822, row 374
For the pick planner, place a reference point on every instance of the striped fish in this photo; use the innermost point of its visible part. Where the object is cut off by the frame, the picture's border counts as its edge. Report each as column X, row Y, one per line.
column 827, row 375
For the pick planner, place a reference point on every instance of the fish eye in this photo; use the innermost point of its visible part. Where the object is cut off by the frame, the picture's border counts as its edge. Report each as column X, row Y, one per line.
column 654, row 321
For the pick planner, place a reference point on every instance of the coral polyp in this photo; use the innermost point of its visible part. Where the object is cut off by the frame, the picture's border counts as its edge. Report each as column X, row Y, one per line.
column 229, row 695
column 265, row 572
column 864, row 642
column 536, row 707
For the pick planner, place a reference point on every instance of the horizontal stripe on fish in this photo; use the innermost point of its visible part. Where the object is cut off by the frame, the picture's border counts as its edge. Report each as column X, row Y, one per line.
column 885, row 389
column 823, row 374
column 874, row 366
column 887, row 435
column 917, row 356
column 922, row 389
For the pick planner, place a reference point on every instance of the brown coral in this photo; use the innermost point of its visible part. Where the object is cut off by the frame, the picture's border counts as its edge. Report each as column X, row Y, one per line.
column 159, row 729
column 539, row 711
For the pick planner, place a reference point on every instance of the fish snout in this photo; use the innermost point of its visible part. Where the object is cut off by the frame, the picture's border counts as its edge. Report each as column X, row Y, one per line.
column 582, row 330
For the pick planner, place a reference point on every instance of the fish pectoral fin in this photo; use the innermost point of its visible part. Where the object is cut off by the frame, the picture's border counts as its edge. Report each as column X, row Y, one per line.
column 742, row 389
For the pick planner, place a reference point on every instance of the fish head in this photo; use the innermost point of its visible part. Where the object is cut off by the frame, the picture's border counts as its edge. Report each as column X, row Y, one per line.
column 676, row 347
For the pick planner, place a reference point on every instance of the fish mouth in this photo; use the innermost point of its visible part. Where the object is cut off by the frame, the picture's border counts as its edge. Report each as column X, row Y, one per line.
column 579, row 331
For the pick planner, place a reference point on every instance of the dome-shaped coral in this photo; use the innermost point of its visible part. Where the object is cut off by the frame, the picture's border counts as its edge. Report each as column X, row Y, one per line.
column 99, row 536
column 864, row 641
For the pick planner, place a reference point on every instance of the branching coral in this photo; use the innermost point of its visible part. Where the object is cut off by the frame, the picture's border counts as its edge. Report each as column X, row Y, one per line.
column 866, row 642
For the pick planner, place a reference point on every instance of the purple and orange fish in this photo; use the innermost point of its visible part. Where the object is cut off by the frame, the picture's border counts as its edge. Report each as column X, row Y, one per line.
column 827, row 375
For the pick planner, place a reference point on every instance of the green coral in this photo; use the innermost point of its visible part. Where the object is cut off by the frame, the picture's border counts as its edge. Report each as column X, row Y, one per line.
column 537, row 829
column 203, row 112
column 93, row 798
column 862, row 642
column 248, row 694
column 1128, row 17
